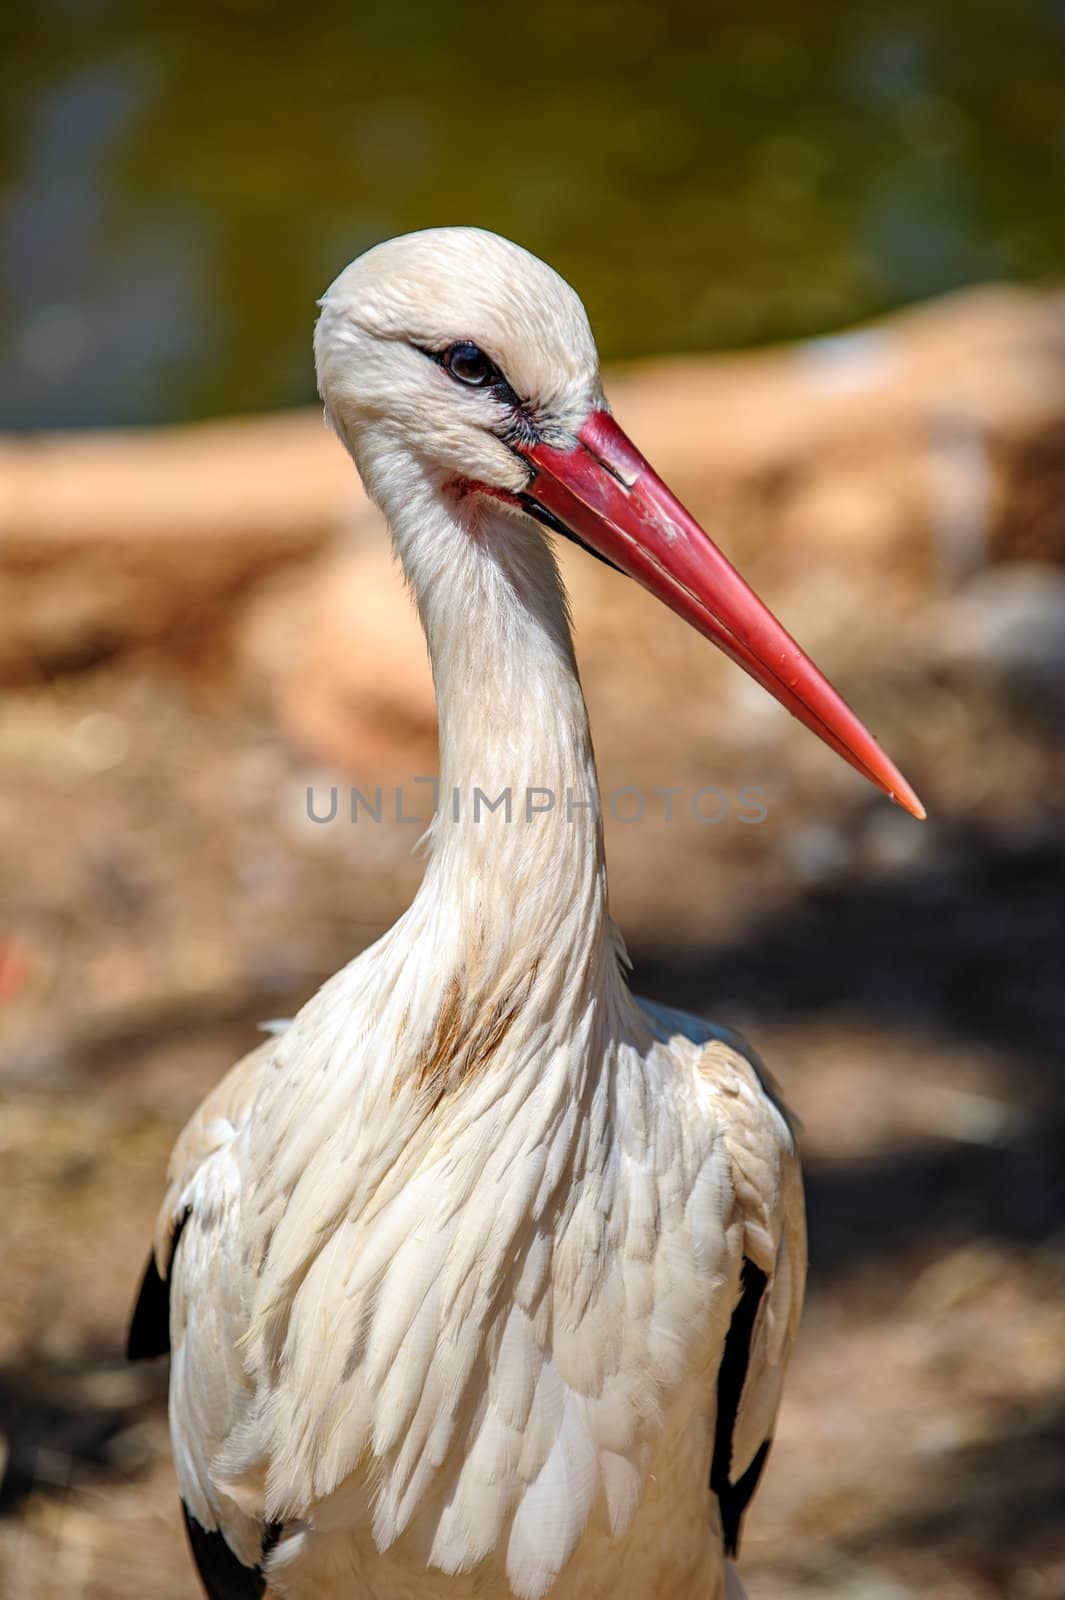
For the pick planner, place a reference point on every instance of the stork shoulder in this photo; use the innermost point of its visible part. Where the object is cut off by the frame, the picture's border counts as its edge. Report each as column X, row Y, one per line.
column 718, row 1065
column 213, row 1125
column 744, row 1108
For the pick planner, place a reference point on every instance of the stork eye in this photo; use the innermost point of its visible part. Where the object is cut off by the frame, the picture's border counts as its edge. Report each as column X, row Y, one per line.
column 467, row 364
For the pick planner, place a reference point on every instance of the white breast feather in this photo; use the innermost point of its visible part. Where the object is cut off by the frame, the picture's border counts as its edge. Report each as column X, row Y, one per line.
column 470, row 1339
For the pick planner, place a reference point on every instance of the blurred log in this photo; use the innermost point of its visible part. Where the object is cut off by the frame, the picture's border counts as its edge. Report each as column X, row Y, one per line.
column 116, row 540
column 921, row 447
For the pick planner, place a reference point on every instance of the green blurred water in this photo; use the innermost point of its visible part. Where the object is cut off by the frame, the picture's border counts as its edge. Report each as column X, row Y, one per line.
column 180, row 181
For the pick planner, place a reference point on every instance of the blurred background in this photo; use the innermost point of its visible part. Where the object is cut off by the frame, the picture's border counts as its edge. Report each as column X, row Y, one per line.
column 822, row 247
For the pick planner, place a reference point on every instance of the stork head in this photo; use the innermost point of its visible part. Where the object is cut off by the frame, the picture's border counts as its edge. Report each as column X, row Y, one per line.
column 462, row 354
column 460, row 344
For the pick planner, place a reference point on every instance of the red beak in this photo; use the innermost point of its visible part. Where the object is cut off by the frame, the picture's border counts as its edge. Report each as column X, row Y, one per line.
column 606, row 495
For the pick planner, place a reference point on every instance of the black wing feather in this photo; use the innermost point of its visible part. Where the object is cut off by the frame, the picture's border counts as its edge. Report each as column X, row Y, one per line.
column 222, row 1575
column 149, row 1326
column 732, row 1497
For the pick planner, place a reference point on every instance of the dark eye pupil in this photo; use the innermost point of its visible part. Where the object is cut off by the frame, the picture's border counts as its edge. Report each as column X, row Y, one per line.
column 468, row 364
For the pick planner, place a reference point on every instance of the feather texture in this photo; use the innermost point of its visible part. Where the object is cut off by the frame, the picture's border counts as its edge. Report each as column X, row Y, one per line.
column 465, row 1378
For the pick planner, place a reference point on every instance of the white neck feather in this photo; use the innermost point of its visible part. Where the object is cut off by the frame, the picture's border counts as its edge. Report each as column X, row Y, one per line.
column 513, row 905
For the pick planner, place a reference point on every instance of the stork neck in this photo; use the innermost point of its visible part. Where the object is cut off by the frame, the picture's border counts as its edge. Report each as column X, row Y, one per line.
column 516, row 862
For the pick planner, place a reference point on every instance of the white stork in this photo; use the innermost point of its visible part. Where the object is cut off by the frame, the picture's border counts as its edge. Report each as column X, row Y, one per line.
column 481, row 1277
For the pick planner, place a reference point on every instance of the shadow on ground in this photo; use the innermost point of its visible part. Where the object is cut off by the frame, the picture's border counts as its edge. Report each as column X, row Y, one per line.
column 71, row 1422
column 971, row 950
column 992, row 1510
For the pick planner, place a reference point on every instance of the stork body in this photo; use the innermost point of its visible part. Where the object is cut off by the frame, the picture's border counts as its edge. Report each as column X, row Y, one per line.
column 482, row 1275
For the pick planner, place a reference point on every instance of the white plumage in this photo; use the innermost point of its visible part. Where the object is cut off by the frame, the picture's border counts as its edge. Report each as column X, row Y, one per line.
column 460, row 1248
column 488, row 1344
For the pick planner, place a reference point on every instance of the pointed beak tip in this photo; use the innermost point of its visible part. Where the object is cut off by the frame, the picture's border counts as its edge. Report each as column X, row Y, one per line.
column 905, row 798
